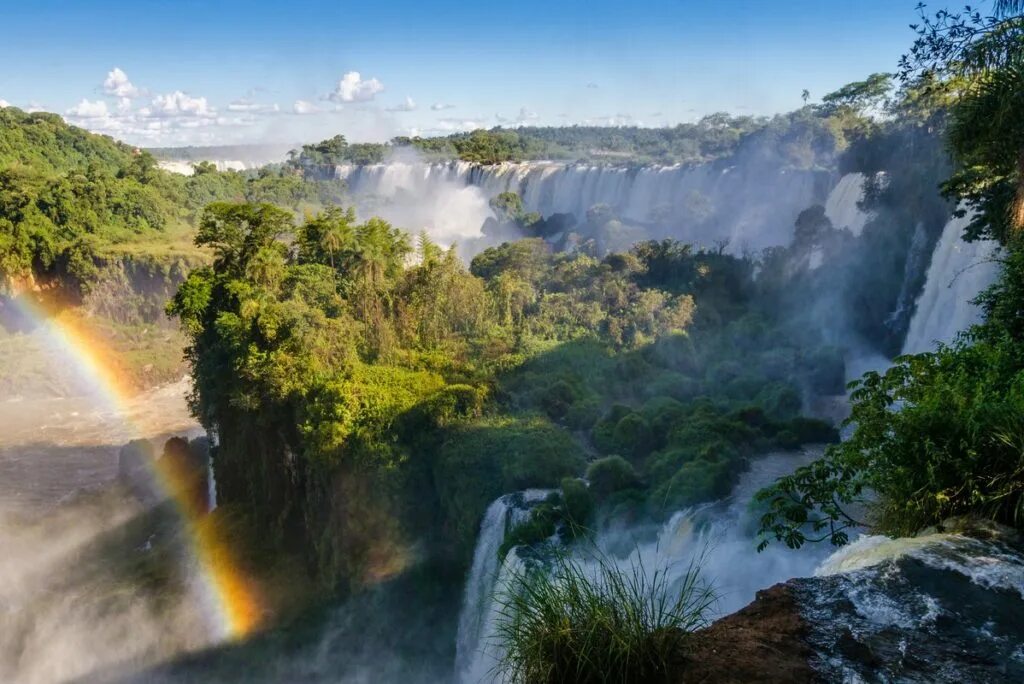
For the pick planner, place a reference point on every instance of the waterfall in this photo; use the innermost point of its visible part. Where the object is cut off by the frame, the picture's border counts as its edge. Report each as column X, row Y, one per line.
column 958, row 272
column 213, row 438
column 211, row 487
column 717, row 538
column 751, row 206
column 478, row 614
column 842, row 208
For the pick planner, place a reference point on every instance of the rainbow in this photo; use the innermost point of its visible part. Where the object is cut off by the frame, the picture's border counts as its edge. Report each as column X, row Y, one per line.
column 230, row 601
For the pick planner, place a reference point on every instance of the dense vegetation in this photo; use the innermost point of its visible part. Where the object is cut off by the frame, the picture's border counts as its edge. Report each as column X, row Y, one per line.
column 72, row 201
column 365, row 401
column 940, row 434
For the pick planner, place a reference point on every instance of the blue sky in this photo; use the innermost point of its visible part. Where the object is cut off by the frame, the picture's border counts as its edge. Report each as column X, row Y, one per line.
column 258, row 71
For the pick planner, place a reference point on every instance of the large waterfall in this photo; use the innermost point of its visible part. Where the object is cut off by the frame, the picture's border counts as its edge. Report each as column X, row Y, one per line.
column 716, row 538
column 959, row 271
column 748, row 205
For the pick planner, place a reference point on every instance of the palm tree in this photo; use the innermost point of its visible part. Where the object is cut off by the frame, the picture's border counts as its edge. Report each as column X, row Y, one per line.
column 335, row 231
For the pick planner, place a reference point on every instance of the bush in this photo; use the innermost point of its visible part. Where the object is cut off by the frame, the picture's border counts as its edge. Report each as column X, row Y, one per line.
column 577, row 502
column 574, row 624
column 604, row 429
column 780, row 401
column 632, row 435
column 609, row 475
column 558, row 398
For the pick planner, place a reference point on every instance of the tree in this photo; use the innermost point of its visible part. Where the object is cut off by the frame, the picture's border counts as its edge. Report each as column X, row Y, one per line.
column 859, row 96
column 237, row 231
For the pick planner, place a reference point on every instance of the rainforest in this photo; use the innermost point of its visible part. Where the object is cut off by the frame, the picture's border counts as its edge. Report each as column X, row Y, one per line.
column 718, row 397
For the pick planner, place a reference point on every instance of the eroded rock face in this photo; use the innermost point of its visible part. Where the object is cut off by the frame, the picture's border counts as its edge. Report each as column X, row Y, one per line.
column 764, row 642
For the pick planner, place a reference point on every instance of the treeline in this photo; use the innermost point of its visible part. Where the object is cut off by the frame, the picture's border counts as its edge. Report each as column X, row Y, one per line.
column 807, row 138
column 70, row 199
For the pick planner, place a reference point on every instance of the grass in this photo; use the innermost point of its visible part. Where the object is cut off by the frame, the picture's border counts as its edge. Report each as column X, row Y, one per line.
column 595, row 622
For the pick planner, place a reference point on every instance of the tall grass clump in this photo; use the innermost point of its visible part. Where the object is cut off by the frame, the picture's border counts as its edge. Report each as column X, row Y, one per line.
column 591, row 622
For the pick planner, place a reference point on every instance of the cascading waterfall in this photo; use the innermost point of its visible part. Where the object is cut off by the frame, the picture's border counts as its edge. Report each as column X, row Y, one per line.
column 751, row 207
column 959, row 271
column 478, row 610
column 717, row 538
column 842, row 206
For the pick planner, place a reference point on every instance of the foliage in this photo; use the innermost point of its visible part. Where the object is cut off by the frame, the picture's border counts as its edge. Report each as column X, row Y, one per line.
column 940, row 434
column 569, row 623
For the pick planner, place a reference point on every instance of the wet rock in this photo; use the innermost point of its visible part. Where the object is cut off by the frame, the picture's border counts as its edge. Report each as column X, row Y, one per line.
column 764, row 642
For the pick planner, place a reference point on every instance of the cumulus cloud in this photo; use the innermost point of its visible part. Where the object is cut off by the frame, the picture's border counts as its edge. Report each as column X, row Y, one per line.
column 117, row 85
column 353, row 88
column 178, row 104
column 408, row 106
column 4, row 103
column 89, row 110
column 304, row 107
column 439, row 106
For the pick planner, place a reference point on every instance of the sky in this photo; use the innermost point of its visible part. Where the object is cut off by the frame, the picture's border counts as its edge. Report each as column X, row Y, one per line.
column 221, row 72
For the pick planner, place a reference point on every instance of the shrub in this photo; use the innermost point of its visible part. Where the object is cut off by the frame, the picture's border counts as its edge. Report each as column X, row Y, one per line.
column 577, row 502
column 575, row 624
column 603, row 432
column 632, row 435
column 558, row 398
column 609, row 475
column 780, row 401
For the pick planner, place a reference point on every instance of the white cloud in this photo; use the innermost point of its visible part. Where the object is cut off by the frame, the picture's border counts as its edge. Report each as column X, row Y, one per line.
column 118, row 85
column 304, row 107
column 521, row 119
column 4, row 103
column 352, row 88
column 34, row 106
column 245, row 105
column 620, row 119
column 460, row 125
column 89, row 110
column 438, row 106
column 178, row 104
column 408, row 106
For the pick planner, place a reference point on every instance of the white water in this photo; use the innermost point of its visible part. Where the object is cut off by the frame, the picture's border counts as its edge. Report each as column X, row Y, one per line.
column 987, row 564
column 718, row 538
column 959, row 271
column 842, row 208
column 478, row 616
column 185, row 168
column 752, row 208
